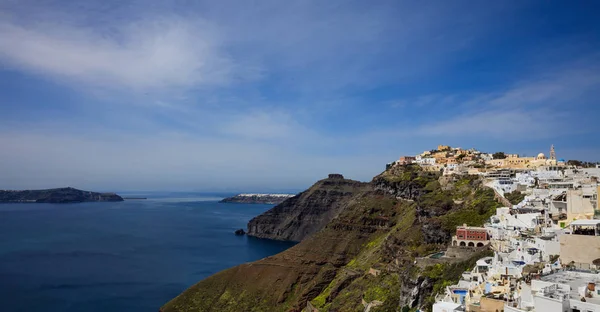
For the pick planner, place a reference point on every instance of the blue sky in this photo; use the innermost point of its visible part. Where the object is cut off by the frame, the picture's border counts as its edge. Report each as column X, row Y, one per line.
column 274, row 95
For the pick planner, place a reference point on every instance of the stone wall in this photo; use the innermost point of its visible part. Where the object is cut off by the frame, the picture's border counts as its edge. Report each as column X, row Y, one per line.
column 491, row 305
column 581, row 249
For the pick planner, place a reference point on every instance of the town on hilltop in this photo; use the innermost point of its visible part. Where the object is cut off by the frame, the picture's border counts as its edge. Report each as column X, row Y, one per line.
column 545, row 241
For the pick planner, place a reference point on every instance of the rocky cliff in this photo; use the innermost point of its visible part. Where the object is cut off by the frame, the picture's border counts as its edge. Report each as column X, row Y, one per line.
column 269, row 199
column 58, row 195
column 367, row 252
column 307, row 212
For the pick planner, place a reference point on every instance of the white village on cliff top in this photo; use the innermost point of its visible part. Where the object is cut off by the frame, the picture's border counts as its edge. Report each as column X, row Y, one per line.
column 545, row 241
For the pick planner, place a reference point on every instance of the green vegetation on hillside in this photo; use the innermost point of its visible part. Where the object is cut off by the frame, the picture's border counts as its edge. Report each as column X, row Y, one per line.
column 367, row 253
column 476, row 205
column 514, row 197
column 474, row 212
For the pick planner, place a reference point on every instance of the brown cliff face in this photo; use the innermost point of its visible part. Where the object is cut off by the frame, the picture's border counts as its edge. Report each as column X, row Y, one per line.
column 288, row 280
column 366, row 251
column 308, row 212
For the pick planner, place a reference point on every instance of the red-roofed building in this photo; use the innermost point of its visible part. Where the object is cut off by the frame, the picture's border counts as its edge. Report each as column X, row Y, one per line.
column 470, row 236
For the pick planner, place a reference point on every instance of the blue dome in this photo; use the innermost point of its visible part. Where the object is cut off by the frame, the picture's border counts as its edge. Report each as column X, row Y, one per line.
column 562, row 159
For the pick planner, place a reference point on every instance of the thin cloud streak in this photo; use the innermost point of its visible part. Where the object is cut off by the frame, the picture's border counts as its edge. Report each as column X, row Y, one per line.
column 143, row 55
column 542, row 107
column 213, row 94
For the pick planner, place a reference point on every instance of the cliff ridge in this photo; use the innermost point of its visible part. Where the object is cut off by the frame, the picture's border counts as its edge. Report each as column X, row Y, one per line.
column 370, row 250
column 308, row 212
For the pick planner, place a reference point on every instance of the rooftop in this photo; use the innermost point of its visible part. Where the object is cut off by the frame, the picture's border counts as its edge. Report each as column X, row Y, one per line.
column 575, row 280
column 586, row 222
column 465, row 226
column 449, row 306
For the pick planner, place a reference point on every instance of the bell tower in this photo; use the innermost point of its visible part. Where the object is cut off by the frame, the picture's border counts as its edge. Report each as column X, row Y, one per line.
column 552, row 152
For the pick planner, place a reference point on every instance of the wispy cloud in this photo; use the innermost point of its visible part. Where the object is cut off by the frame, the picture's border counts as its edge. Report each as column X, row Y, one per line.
column 421, row 101
column 188, row 93
column 142, row 55
column 548, row 104
column 558, row 86
column 143, row 45
column 515, row 125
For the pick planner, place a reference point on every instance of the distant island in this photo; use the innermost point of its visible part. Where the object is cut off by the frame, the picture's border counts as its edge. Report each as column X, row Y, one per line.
column 269, row 199
column 57, row 195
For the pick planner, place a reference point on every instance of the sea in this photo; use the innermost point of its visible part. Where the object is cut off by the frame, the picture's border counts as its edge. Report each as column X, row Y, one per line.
column 120, row 256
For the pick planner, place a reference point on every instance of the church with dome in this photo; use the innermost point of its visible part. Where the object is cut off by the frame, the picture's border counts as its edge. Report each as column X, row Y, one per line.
column 514, row 161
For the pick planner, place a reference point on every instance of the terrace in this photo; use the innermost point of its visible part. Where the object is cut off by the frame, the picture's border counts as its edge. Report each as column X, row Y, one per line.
column 585, row 227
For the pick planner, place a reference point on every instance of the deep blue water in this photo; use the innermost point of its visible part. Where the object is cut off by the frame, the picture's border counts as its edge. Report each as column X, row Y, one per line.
column 127, row 256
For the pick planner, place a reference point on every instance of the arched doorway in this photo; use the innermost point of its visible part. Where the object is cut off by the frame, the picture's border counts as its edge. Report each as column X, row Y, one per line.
column 463, row 244
column 454, row 243
column 471, row 244
column 479, row 244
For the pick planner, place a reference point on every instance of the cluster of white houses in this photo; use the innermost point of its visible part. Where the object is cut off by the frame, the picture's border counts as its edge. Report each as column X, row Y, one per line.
column 546, row 248
column 537, row 266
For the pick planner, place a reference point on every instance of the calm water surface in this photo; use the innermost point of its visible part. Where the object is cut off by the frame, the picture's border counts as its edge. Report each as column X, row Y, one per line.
column 127, row 256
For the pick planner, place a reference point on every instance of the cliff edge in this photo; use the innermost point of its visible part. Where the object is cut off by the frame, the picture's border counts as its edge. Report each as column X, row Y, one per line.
column 368, row 251
column 308, row 212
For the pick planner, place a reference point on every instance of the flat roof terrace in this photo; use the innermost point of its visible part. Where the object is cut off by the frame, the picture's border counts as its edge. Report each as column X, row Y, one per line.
column 575, row 280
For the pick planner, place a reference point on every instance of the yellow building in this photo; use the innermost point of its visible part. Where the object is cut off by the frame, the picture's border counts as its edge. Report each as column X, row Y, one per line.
column 518, row 162
column 582, row 246
column 598, row 199
column 513, row 161
column 500, row 163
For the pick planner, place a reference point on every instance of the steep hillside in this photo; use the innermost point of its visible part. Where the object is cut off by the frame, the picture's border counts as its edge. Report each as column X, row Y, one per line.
column 308, row 212
column 366, row 253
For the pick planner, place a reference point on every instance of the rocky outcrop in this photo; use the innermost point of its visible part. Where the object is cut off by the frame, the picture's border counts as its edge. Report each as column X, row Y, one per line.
column 268, row 199
column 405, row 182
column 288, row 280
column 308, row 212
column 58, row 195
